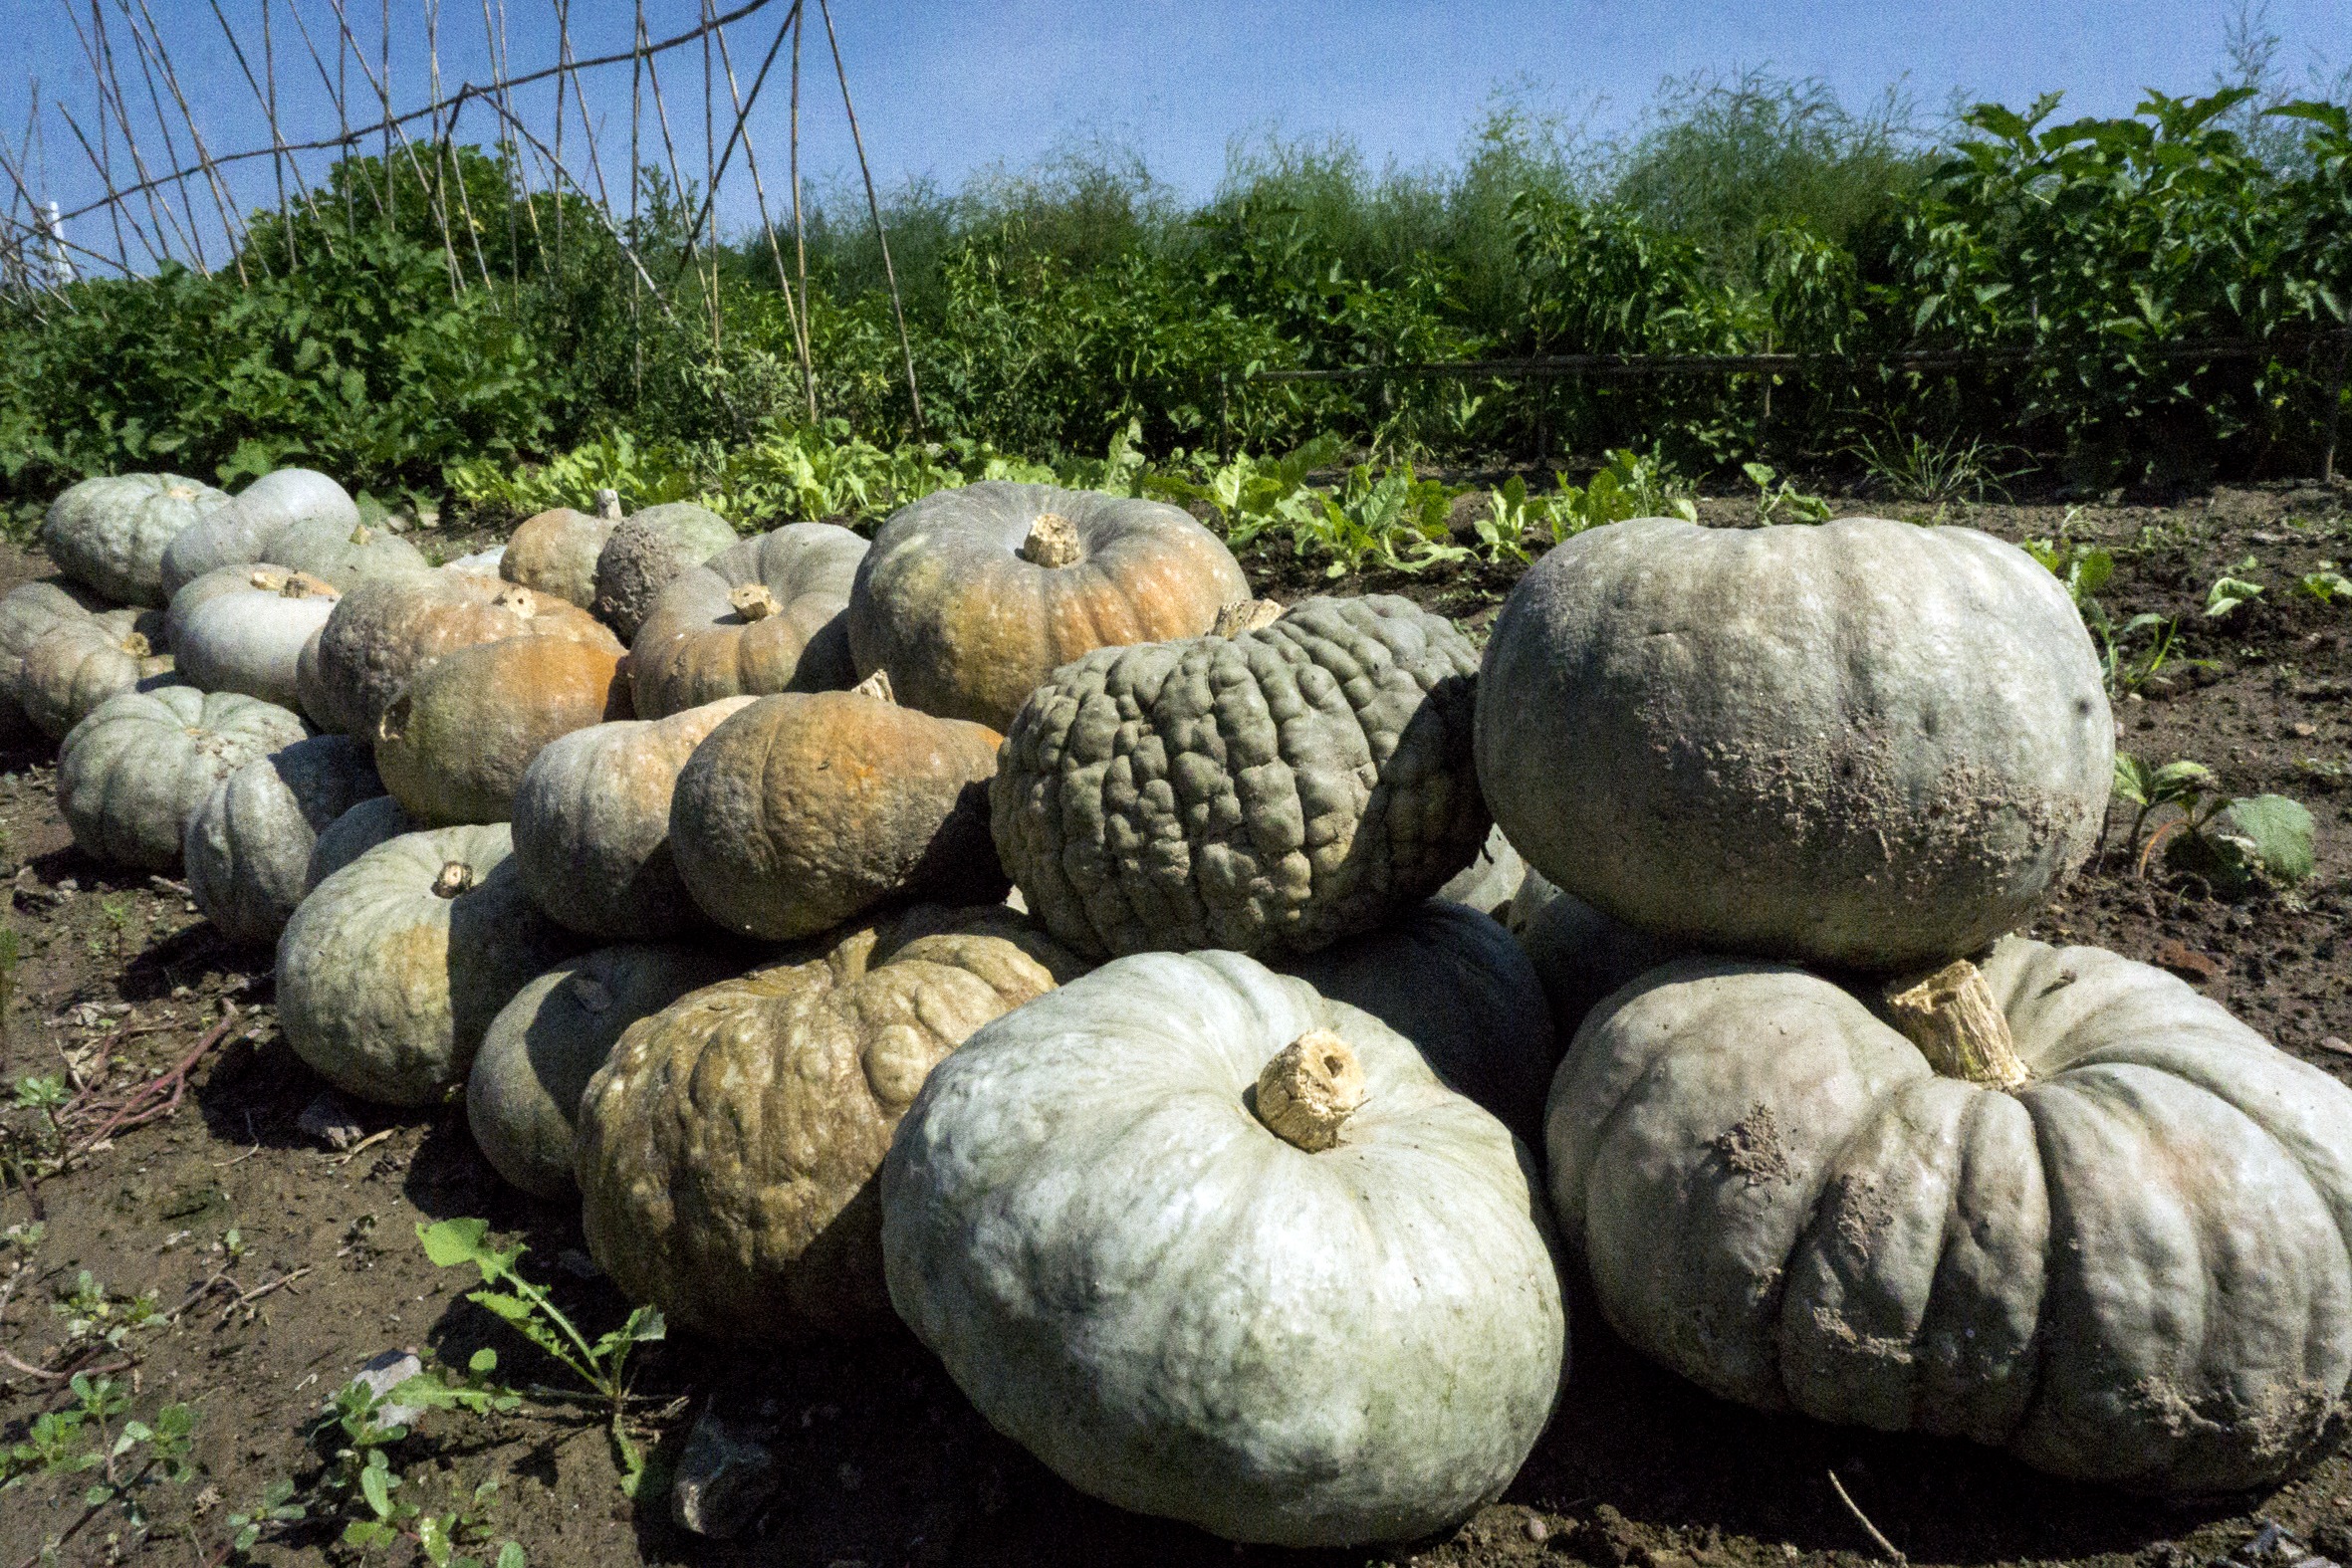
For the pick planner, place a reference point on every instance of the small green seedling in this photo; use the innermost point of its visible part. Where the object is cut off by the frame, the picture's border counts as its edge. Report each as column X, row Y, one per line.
column 1779, row 499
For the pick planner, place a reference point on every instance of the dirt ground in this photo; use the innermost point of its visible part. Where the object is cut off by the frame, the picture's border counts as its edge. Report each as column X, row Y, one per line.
column 118, row 980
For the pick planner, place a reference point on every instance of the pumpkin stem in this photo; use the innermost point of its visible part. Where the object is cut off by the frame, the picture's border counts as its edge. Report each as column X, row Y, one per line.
column 392, row 723
column 136, row 645
column 1244, row 616
column 1954, row 1019
column 519, row 600
column 301, row 586
column 456, row 877
column 608, row 505
column 362, row 534
column 1309, row 1089
column 752, row 601
column 1052, row 542
column 268, row 581
column 877, row 685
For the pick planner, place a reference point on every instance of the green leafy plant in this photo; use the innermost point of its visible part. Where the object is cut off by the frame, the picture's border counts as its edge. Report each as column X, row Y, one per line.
column 131, row 1458
column 378, row 1504
column 600, row 1365
column 2235, row 844
column 2183, row 784
column 2230, row 591
column 1913, row 466
column 2326, row 584
column 1779, row 499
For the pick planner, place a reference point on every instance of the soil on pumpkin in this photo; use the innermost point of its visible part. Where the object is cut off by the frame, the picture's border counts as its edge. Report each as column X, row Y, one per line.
column 883, row 1463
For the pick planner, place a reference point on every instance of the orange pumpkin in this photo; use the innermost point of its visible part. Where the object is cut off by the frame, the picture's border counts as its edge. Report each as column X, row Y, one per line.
column 759, row 617
column 452, row 748
column 556, row 552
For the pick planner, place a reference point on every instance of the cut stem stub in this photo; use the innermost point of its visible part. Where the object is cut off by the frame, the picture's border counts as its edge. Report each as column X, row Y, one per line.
column 754, row 601
column 1309, row 1089
column 1244, row 615
column 1052, row 542
column 1956, row 1022
column 456, row 877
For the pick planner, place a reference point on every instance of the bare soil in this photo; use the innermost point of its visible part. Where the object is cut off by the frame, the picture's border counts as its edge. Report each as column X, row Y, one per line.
column 118, row 980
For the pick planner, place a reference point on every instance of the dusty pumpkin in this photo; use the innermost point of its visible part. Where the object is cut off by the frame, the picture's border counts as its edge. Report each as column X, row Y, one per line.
column 393, row 967
column 1272, row 791
column 727, row 1150
column 132, row 774
column 2072, row 1209
column 453, row 747
column 593, row 824
column 109, row 534
column 1214, row 1247
column 644, row 552
column 761, row 617
column 344, row 555
column 238, row 533
column 970, row 597
column 389, row 630
column 805, row 810
column 76, row 664
column 248, row 847
column 248, row 638
column 27, row 612
column 556, row 552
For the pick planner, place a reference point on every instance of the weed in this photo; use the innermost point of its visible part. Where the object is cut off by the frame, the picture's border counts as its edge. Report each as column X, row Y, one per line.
column 2233, row 844
column 83, row 1438
column 1917, row 467
column 376, row 1502
column 2146, row 790
column 2230, row 590
column 1777, row 498
column 2327, row 584
column 2085, row 569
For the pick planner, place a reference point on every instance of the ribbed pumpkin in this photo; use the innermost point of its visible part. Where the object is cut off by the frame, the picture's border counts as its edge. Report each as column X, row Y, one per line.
column 238, row 534
column 131, row 775
column 389, row 630
column 727, row 1150
column 522, row 1097
column 556, row 552
column 393, row 968
column 1272, row 791
column 808, row 808
column 970, row 597
column 2080, row 1212
column 342, row 556
column 761, row 617
column 367, row 823
column 452, row 748
column 78, row 663
column 248, row 847
column 27, row 612
column 109, row 534
column 593, row 824
column 248, row 639
column 645, row 552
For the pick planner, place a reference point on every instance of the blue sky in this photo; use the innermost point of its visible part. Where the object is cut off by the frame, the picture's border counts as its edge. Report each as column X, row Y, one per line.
column 947, row 88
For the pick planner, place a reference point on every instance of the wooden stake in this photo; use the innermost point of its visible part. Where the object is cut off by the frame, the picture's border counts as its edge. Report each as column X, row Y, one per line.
column 873, row 204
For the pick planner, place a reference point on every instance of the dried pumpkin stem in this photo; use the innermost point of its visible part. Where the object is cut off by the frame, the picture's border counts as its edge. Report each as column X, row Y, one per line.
column 754, row 601
column 456, row 877
column 1052, row 542
column 136, row 645
column 301, row 586
column 608, row 505
column 1244, row 615
column 1956, row 1024
column 1309, row 1090
column 517, row 599
column 267, row 581
column 877, row 686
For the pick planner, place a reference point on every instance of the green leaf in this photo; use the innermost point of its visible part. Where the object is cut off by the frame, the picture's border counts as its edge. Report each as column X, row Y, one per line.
column 512, row 1555
column 376, row 1485
column 2273, row 833
column 2134, row 778
column 448, row 1242
column 2228, row 593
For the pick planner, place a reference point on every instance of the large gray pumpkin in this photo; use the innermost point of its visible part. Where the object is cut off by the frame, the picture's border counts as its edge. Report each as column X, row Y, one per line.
column 109, row 534
column 645, row 552
column 238, row 534
column 393, row 967
column 1183, row 1311
column 1273, row 791
column 761, row 617
column 27, row 612
column 522, row 1098
column 591, row 823
column 343, row 555
column 1865, row 744
column 78, row 663
column 131, row 775
column 376, row 820
column 248, row 847
column 248, row 638
column 2130, row 1268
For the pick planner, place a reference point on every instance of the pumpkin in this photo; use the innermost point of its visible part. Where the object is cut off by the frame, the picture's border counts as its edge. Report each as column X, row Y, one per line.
column 452, row 748
column 238, row 533
column 643, row 554
column 27, row 612
column 481, row 563
column 78, row 663
column 109, row 534
column 249, row 639
column 132, row 774
column 1864, row 744
column 343, row 555
column 591, row 823
column 1453, row 982
column 805, row 810
column 726, row 1149
column 556, row 552
column 1579, row 953
column 394, row 964
column 970, row 597
column 763, row 615
column 248, row 847
column 522, row 1095
column 1214, row 1247
column 358, row 829
column 389, row 630
column 2072, row 1209
column 1272, row 791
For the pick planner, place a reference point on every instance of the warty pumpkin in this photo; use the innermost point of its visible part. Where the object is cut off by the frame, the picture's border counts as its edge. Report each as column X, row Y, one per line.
column 761, row 617
column 522, row 1097
column 78, row 663
column 1272, row 791
column 452, row 747
column 727, row 1150
column 555, row 552
column 389, row 630
column 644, row 552
column 132, row 774
column 1864, row 744
column 248, row 639
column 394, row 966
column 238, row 533
column 806, row 810
column 2081, row 1212
column 970, row 597
column 593, row 824
column 109, row 534
column 248, row 847
column 1214, row 1247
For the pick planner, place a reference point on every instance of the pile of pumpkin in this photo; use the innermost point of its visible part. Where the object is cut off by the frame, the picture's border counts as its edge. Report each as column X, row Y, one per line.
column 1231, row 1164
